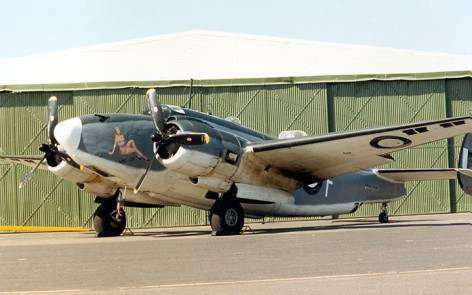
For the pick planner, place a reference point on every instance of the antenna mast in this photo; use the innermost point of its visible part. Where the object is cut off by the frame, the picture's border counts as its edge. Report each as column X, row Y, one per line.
column 190, row 95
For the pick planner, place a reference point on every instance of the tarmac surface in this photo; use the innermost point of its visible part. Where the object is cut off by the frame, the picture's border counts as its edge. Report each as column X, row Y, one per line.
column 428, row 254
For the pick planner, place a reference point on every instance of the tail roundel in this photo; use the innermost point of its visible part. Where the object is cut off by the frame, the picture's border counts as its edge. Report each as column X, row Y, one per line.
column 465, row 162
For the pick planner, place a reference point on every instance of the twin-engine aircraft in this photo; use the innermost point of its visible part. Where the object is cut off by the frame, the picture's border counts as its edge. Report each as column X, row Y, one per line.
column 172, row 156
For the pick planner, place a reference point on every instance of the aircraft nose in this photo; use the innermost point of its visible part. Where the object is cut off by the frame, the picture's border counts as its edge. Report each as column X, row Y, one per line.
column 68, row 133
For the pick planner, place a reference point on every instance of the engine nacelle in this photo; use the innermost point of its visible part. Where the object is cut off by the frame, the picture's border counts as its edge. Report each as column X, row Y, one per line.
column 210, row 165
column 191, row 162
column 70, row 173
column 86, row 180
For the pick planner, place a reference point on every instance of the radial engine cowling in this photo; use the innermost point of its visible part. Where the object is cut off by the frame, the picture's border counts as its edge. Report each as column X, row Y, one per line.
column 66, row 171
column 211, row 164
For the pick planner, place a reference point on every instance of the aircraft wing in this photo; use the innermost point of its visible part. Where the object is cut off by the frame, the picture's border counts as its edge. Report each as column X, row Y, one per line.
column 30, row 161
column 419, row 174
column 318, row 157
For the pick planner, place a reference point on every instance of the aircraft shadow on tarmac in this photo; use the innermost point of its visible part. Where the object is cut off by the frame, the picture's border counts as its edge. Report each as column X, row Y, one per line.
column 354, row 224
column 364, row 225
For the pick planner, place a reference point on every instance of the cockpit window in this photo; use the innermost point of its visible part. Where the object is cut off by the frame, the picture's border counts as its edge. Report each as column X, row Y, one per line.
column 177, row 109
column 167, row 110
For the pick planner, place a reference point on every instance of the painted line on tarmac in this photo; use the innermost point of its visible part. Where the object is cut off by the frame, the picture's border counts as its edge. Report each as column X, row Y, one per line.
column 41, row 228
column 223, row 283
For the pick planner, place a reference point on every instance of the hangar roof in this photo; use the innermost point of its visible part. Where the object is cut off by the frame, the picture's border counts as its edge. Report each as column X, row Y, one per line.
column 215, row 58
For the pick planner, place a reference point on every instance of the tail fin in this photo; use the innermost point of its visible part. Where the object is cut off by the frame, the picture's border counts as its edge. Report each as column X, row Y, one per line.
column 465, row 162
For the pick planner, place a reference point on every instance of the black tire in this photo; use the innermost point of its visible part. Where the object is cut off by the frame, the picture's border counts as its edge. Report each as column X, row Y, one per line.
column 105, row 223
column 383, row 217
column 227, row 217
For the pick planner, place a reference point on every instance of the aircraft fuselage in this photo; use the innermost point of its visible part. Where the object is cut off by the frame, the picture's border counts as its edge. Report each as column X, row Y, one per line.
column 118, row 148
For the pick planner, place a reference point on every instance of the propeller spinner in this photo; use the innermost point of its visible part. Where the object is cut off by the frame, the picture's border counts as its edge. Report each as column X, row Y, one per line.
column 162, row 137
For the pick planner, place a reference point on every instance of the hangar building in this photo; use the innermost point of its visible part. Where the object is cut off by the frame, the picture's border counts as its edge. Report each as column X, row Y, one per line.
column 270, row 84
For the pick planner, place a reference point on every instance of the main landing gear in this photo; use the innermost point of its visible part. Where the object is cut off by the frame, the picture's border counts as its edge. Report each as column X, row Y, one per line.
column 109, row 219
column 226, row 216
column 383, row 216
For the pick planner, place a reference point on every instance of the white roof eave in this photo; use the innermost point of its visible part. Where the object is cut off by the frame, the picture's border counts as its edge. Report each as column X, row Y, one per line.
column 204, row 55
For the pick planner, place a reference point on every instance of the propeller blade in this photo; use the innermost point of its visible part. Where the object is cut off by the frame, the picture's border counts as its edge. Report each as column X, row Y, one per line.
column 52, row 119
column 68, row 159
column 32, row 172
column 141, row 180
column 189, row 138
column 156, row 110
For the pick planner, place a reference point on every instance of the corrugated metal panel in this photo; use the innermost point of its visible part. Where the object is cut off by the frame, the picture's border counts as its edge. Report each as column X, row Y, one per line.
column 107, row 101
column 271, row 109
column 42, row 202
column 302, row 107
column 165, row 217
column 8, row 175
column 370, row 104
column 8, row 199
column 245, row 103
column 49, row 201
column 459, row 92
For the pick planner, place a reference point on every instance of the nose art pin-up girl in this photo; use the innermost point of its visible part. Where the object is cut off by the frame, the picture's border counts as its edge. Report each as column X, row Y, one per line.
column 126, row 148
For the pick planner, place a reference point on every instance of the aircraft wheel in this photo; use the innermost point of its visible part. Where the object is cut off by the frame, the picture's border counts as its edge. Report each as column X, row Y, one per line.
column 105, row 223
column 227, row 217
column 383, row 217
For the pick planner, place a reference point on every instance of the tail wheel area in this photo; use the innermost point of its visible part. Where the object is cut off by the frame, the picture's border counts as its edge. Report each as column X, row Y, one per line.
column 226, row 217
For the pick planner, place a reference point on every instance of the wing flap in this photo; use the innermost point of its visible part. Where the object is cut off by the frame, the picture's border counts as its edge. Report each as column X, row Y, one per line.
column 264, row 194
column 336, row 154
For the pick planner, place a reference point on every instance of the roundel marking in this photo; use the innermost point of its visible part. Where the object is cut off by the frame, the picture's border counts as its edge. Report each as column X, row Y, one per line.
column 389, row 142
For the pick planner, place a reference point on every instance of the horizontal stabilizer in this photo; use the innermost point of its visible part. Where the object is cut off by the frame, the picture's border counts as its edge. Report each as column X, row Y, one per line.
column 420, row 174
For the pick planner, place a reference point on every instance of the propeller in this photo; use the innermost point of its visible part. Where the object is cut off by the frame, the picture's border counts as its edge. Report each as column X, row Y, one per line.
column 52, row 119
column 51, row 153
column 163, row 137
column 47, row 149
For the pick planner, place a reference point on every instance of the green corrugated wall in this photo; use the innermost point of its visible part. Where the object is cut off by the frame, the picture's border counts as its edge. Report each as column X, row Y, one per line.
column 315, row 108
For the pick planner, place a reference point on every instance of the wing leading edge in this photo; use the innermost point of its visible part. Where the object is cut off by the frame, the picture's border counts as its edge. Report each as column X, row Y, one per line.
column 30, row 161
column 319, row 157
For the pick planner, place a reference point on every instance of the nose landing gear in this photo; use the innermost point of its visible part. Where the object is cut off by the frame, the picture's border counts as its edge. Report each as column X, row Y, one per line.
column 109, row 219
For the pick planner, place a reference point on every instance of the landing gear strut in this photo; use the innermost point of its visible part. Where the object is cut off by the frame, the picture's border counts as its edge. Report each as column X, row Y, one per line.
column 109, row 219
column 226, row 216
column 383, row 216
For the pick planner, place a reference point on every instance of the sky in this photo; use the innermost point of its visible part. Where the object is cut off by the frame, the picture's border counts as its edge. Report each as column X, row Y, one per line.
column 32, row 26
